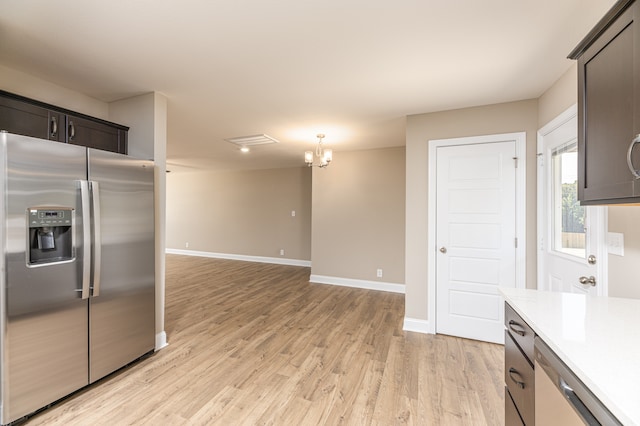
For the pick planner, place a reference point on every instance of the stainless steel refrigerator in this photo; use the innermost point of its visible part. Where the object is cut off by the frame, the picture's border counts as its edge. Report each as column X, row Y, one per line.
column 77, row 297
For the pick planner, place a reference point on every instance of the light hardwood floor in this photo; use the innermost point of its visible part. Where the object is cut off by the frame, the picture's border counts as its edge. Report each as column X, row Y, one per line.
column 256, row 344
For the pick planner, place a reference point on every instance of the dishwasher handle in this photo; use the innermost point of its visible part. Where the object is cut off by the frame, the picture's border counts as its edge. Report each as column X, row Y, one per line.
column 578, row 405
column 585, row 404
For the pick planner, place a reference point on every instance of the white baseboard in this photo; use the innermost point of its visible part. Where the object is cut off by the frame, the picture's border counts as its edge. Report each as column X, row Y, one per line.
column 418, row 326
column 349, row 282
column 259, row 259
column 161, row 340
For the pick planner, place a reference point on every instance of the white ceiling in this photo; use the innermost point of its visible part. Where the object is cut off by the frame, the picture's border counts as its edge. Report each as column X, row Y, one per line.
column 352, row 69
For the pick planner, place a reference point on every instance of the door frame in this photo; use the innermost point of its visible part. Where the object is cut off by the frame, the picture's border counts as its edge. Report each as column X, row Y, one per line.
column 599, row 219
column 520, row 139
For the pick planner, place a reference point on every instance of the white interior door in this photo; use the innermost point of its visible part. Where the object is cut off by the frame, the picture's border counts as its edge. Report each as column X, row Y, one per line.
column 476, row 237
column 571, row 250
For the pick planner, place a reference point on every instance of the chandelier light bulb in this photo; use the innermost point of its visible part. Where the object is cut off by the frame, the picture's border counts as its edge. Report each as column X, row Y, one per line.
column 328, row 155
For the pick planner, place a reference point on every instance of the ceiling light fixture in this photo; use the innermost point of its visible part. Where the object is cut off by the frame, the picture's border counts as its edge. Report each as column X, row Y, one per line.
column 245, row 149
column 324, row 155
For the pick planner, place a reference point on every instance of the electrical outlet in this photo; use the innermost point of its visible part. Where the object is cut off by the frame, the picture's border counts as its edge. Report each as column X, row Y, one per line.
column 186, row 245
column 379, row 273
column 293, row 213
column 615, row 243
column 281, row 252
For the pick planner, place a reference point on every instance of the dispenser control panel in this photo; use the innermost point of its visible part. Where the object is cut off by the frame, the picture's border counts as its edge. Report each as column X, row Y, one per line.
column 39, row 218
column 50, row 236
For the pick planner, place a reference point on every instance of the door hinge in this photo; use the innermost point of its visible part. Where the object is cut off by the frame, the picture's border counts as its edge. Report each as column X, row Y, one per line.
column 515, row 240
column 515, row 159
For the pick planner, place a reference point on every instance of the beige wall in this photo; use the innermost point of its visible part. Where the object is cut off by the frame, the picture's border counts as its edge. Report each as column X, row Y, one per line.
column 358, row 216
column 140, row 113
column 624, row 271
column 492, row 119
column 349, row 221
column 26, row 85
column 243, row 213
column 559, row 97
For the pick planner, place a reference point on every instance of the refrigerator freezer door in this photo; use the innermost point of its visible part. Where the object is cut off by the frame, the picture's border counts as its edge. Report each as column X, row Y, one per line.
column 122, row 313
column 44, row 327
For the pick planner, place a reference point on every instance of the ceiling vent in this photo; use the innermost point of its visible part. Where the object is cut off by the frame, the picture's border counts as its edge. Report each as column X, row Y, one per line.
column 252, row 140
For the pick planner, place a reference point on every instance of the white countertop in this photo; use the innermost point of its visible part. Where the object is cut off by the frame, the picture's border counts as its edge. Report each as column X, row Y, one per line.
column 597, row 337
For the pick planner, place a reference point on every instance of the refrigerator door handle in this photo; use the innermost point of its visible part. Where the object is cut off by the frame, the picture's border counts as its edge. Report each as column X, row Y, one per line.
column 97, row 238
column 86, row 238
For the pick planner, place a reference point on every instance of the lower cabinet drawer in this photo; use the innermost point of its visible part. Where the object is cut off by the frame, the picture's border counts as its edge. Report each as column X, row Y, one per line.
column 520, row 331
column 511, row 415
column 519, row 377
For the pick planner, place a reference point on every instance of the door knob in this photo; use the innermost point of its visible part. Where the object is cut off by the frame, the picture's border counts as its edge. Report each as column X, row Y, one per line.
column 591, row 259
column 590, row 281
column 443, row 249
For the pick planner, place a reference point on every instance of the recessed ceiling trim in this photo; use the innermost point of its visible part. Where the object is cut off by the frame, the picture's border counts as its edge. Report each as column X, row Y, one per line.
column 252, row 140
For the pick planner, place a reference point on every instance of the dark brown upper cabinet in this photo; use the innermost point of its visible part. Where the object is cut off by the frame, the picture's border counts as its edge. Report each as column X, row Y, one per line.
column 94, row 134
column 609, row 108
column 28, row 117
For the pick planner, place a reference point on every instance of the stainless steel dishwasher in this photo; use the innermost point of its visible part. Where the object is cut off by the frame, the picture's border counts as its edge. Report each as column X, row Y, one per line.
column 561, row 398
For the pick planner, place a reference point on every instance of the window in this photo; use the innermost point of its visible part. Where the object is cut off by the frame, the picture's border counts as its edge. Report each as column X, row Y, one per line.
column 568, row 215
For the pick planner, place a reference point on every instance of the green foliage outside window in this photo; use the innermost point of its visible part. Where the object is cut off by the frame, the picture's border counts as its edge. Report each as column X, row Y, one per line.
column 572, row 211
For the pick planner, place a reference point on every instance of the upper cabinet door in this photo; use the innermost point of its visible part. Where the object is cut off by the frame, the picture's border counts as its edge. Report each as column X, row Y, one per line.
column 94, row 134
column 26, row 119
column 609, row 104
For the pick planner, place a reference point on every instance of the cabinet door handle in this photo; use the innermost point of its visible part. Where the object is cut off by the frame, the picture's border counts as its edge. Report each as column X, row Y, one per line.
column 520, row 331
column 513, row 371
column 72, row 131
column 633, row 170
column 54, row 126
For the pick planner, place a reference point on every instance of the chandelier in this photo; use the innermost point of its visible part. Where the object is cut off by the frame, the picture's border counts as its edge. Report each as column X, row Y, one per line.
column 324, row 155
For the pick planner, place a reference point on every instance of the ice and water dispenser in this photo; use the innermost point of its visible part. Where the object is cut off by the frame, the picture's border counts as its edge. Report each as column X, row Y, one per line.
column 50, row 235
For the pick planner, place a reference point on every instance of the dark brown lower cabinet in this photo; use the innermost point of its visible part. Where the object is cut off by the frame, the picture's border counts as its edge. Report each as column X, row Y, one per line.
column 519, row 377
column 511, row 415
